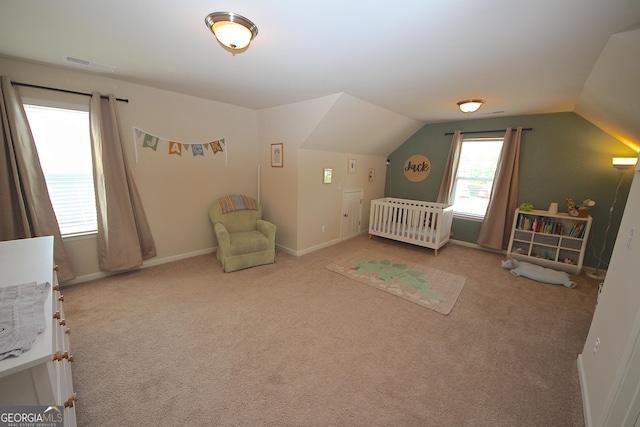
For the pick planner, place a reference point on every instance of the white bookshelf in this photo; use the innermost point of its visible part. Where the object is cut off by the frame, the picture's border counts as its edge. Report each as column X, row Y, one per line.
column 556, row 241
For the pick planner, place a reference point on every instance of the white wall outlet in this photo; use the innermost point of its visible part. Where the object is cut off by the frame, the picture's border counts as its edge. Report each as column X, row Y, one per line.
column 596, row 346
column 323, row 229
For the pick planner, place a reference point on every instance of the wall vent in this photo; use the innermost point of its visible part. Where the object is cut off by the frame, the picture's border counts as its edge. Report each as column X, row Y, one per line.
column 90, row 64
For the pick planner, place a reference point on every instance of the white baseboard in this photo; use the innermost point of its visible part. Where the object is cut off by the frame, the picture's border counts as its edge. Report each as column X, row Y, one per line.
column 145, row 264
column 476, row 246
column 317, row 247
column 286, row 249
column 309, row 250
column 159, row 261
column 585, row 269
column 583, row 389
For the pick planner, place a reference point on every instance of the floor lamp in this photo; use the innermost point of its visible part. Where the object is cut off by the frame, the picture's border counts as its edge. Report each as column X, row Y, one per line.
column 623, row 164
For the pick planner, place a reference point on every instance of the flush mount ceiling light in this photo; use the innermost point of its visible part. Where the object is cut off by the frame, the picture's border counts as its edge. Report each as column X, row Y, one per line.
column 470, row 105
column 233, row 31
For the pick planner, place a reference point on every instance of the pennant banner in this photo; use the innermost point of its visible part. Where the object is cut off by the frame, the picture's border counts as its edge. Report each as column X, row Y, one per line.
column 195, row 149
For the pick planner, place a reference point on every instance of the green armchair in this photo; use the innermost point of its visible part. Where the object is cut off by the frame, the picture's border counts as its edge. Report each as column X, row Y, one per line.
column 244, row 238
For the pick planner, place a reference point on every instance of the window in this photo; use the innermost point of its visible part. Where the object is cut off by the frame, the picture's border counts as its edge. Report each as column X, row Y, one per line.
column 474, row 179
column 64, row 149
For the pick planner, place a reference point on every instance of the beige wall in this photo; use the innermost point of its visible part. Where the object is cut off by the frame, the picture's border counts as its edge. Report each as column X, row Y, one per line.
column 616, row 325
column 176, row 191
column 321, row 204
column 290, row 125
column 294, row 196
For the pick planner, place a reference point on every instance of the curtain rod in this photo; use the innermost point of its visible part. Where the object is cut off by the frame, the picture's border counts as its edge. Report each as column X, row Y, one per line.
column 64, row 90
column 485, row 131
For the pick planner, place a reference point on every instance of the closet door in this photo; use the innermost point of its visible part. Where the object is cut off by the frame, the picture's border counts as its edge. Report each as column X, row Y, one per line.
column 351, row 213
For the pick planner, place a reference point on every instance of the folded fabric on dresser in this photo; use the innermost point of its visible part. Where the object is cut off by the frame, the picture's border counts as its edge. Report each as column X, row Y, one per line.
column 21, row 316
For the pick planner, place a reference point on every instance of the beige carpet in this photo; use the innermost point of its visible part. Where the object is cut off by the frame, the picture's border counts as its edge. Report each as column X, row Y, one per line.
column 294, row 344
column 429, row 287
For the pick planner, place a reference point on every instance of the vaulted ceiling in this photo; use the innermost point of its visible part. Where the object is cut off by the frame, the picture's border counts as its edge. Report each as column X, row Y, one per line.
column 413, row 58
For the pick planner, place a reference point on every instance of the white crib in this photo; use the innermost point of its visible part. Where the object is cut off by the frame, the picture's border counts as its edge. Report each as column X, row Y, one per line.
column 411, row 221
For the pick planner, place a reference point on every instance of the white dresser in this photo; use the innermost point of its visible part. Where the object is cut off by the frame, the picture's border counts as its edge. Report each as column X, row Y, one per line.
column 42, row 374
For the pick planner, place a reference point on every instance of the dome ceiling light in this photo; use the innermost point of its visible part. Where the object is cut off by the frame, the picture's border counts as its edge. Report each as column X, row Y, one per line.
column 470, row 105
column 233, row 31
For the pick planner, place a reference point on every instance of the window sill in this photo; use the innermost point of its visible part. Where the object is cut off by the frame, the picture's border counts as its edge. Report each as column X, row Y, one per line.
column 468, row 217
column 79, row 236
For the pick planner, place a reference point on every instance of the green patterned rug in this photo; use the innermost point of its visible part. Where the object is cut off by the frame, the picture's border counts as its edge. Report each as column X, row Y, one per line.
column 425, row 286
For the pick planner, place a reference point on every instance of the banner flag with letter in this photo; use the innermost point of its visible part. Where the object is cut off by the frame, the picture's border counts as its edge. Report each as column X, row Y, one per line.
column 148, row 140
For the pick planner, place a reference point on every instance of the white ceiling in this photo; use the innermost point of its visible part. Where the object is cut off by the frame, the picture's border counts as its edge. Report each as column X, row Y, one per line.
column 413, row 57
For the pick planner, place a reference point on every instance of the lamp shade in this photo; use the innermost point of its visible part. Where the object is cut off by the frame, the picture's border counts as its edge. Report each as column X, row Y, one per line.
column 623, row 163
column 232, row 30
column 470, row 105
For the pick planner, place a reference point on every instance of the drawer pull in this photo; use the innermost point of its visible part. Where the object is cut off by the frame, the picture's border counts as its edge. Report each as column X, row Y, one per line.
column 56, row 268
column 56, row 287
column 69, row 402
column 67, row 331
column 56, row 315
column 65, row 355
column 61, row 298
column 70, row 358
column 57, row 356
column 63, row 322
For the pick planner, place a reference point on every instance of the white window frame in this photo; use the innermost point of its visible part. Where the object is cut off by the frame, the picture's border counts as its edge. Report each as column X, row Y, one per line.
column 464, row 214
column 74, row 107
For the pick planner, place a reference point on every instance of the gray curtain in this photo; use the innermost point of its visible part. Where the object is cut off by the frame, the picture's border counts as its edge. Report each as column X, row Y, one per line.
column 124, row 235
column 495, row 229
column 451, row 168
column 25, row 206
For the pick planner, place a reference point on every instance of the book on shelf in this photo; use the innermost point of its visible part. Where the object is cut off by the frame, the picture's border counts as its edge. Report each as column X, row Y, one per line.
column 577, row 230
column 540, row 225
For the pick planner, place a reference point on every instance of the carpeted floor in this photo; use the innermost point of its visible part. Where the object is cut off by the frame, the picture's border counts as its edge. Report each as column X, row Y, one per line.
column 296, row 344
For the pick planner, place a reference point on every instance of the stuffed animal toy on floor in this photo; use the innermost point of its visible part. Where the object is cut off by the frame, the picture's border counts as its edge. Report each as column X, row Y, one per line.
column 538, row 273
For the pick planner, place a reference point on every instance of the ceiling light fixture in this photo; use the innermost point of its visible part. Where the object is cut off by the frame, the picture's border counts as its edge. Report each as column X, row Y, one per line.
column 233, row 31
column 470, row 105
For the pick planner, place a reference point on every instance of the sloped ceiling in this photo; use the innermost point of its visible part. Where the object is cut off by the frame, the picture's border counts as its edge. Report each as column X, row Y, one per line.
column 610, row 97
column 413, row 58
column 355, row 126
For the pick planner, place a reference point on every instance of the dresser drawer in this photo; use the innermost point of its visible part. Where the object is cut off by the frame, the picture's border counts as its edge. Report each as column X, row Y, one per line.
column 41, row 375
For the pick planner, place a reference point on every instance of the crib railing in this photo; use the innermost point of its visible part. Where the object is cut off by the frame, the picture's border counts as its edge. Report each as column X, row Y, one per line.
column 422, row 223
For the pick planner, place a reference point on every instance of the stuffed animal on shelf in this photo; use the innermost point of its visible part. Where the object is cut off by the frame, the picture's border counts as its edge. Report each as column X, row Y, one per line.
column 572, row 208
column 538, row 273
column 580, row 210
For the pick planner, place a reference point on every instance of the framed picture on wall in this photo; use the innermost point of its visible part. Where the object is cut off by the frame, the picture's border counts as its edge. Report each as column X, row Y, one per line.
column 351, row 167
column 326, row 178
column 277, row 155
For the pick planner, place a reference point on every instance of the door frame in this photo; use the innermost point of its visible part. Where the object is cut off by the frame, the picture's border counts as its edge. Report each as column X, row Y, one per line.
column 342, row 210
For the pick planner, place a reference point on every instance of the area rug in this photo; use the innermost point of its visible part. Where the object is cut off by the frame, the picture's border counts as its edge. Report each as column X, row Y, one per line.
column 429, row 287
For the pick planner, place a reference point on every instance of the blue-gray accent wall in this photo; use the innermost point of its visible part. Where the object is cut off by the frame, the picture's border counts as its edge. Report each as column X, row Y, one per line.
column 562, row 156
